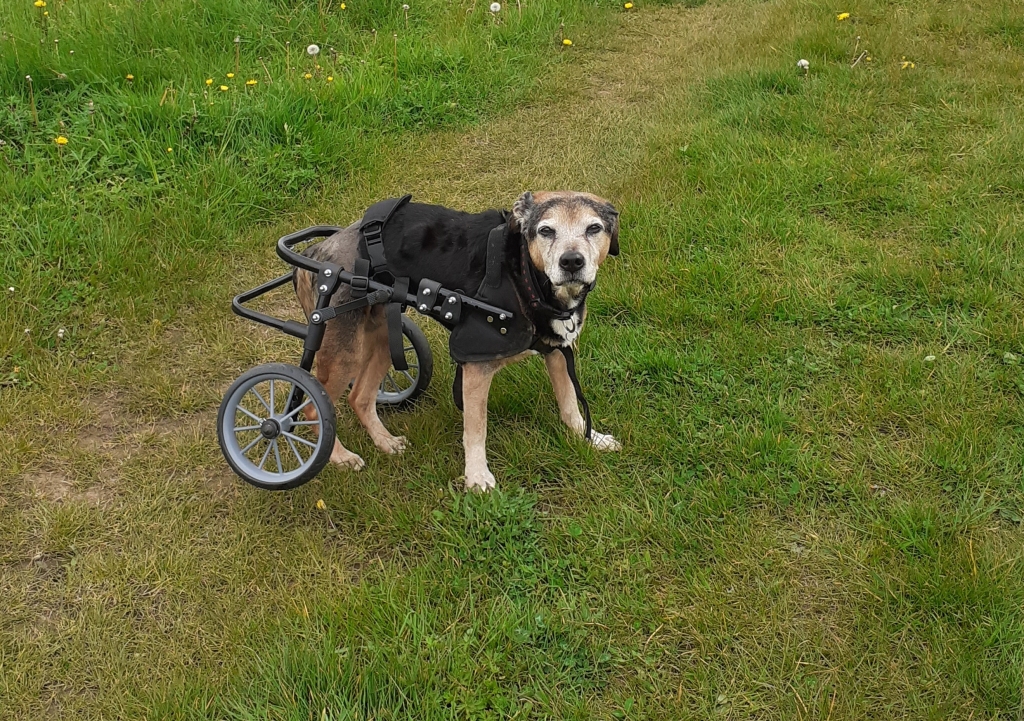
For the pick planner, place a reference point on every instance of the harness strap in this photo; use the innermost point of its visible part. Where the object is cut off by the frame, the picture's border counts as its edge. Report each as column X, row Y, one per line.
column 325, row 314
column 393, row 313
column 372, row 229
column 457, row 387
column 570, row 367
column 495, row 255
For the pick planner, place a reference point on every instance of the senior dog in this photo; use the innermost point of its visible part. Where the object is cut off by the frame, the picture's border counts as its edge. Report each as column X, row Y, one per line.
column 540, row 261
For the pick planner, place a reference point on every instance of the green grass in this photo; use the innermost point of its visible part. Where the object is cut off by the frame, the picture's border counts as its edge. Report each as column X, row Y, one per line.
column 810, row 346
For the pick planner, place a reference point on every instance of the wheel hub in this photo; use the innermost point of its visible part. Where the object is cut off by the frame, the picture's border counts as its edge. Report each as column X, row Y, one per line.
column 270, row 429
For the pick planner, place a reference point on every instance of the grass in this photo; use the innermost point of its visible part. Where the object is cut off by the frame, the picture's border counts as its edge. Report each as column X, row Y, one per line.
column 810, row 347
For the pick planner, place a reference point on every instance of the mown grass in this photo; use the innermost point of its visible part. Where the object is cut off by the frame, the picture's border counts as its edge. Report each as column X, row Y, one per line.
column 810, row 347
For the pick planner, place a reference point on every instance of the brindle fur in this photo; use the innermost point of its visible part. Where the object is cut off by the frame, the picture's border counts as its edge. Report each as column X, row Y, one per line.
column 355, row 345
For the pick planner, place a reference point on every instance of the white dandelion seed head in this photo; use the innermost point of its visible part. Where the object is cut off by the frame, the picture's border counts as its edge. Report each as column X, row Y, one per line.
column 10, row 289
column 802, row 64
column 495, row 7
column 406, row 8
column 28, row 331
column 313, row 50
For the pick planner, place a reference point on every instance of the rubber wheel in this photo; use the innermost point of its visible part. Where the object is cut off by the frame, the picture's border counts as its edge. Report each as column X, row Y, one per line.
column 400, row 389
column 264, row 433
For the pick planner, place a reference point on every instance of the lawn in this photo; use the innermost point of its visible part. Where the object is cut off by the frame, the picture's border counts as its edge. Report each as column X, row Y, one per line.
column 811, row 347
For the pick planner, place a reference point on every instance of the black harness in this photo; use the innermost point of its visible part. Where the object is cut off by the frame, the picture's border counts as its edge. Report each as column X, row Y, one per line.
column 488, row 295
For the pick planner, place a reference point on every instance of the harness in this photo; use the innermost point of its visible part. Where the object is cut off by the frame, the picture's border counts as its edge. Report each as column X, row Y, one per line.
column 488, row 296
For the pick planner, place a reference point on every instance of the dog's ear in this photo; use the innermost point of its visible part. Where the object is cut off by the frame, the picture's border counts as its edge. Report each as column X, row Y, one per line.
column 613, row 246
column 521, row 210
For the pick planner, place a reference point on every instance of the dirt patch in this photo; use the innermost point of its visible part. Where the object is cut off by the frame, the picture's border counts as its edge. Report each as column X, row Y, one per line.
column 56, row 487
column 101, row 436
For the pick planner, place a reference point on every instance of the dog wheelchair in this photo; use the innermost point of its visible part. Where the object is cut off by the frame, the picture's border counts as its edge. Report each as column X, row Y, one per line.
column 264, row 427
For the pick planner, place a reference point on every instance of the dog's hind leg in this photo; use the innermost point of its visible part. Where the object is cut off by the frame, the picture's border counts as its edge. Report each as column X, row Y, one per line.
column 565, row 393
column 376, row 359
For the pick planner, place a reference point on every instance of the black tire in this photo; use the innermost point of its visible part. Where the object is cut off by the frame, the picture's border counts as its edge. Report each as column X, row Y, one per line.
column 244, row 403
column 400, row 389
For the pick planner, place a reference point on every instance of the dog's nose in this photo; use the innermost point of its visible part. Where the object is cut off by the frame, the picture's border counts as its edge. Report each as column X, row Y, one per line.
column 571, row 261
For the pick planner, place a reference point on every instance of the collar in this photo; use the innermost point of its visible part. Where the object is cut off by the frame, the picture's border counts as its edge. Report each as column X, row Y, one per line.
column 538, row 290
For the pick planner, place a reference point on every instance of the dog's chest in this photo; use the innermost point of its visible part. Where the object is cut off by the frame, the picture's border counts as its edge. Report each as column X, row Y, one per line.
column 565, row 332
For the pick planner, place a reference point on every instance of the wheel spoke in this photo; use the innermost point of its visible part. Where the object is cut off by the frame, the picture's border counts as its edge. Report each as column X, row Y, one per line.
column 257, row 394
column 239, row 429
column 409, row 348
column 407, row 375
column 277, row 455
column 258, row 439
column 265, row 454
column 272, row 406
column 251, row 415
column 297, row 438
column 304, row 404
column 305, row 423
column 295, row 450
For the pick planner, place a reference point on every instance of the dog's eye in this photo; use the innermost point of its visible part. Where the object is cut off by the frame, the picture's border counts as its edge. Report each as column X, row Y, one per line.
column 595, row 229
column 547, row 231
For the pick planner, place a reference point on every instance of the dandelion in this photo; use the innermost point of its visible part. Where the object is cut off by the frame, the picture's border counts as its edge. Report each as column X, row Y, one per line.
column 495, row 7
column 170, row 150
column 321, row 506
column 223, row 88
column 330, row 78
column 307, row 76
column 28, row 331
column 907, row 64
column 343, row 6
column 209, row 81
column 842, row 16
column 406, row 8
column 803, row 64
column 868, row 58
column 40, row 3
column 46, row 13
column 60, row 140
column 129, row 77
column 251, row 83
column 566, row 42
column 230, row 76
column 628, row 6
column 313, row 50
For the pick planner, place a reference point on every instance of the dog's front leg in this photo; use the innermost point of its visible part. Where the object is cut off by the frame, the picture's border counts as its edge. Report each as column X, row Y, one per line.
column 567, row 406
column 476, row 386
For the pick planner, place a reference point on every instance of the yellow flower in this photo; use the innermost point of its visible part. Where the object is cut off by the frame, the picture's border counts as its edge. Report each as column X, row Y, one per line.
column 307, row 76
column 209, row 81
column 129, row 76
column 170, row 150
column 60, row 140
column 40, row 3
column 46, row 13
column 321, row 505
column 868, row 58
column 842, row 16
column 223, row 88
column 343, row 6
column 230, row 75
column 628, row 6
column 330, row 78
column 251, row 83
column 567, row 42
column 906, row 64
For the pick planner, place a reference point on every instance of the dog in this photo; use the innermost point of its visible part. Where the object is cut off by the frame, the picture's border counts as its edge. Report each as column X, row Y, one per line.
column 563, row 236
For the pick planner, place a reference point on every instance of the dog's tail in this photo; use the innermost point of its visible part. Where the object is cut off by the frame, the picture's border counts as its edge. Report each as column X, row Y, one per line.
column 303, row 281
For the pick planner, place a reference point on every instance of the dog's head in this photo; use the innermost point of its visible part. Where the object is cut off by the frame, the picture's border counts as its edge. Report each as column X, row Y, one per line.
column 569, row 235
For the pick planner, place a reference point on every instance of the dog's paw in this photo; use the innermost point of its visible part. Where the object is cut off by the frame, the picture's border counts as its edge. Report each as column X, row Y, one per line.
column 604, row 442
column 348, row 459
column 391, row 444
column 482, row 481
